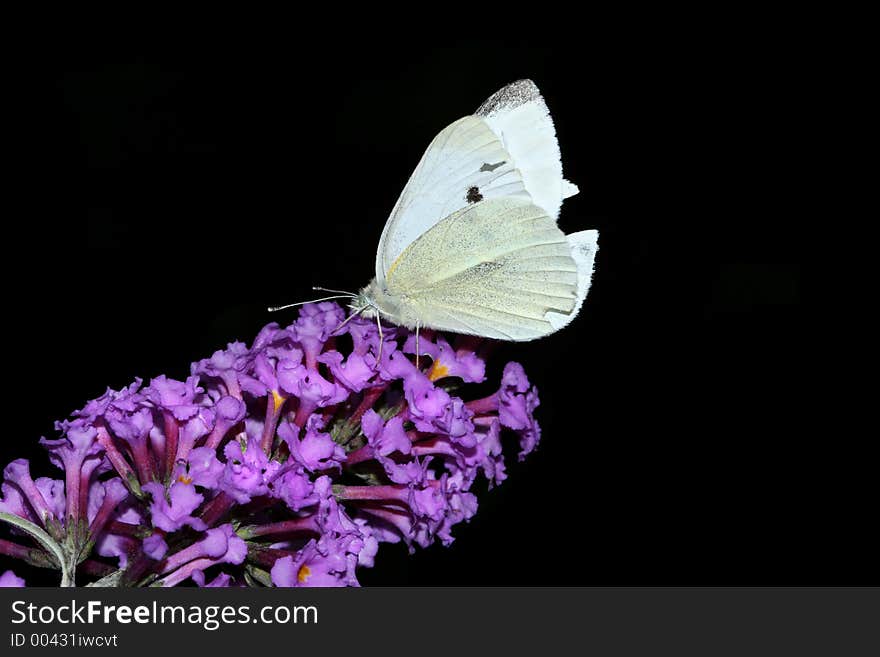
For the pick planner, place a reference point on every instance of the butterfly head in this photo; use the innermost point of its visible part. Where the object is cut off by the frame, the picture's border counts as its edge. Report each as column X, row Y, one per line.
column 365, row 302
column 362, row 306
column 375, row 300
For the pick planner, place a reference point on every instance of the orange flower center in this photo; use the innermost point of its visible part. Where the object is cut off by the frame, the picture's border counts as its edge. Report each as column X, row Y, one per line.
column 438, row 371
column 304, row 573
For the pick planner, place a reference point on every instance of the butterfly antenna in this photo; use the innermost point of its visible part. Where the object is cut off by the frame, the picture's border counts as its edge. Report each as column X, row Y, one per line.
column 273, row 309
column 327, row 289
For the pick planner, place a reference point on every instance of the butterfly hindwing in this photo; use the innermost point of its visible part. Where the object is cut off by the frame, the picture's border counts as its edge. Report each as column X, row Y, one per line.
column 498, row 268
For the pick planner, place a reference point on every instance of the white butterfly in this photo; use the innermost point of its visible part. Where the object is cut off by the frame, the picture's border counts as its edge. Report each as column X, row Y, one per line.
column 472, row 244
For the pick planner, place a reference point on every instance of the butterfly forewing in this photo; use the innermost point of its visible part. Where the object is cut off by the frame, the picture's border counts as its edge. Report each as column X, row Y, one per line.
column 463, row 165
column 518, row 115
column 508, row 148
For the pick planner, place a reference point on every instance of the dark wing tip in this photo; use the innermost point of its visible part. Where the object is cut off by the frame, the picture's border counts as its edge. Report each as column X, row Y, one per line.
column 509, row 97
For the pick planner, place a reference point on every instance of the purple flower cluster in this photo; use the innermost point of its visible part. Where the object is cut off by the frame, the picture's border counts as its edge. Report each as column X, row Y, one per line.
column 286, row 463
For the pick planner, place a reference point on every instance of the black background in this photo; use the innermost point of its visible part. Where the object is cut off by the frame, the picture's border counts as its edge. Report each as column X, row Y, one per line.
column 175, row 191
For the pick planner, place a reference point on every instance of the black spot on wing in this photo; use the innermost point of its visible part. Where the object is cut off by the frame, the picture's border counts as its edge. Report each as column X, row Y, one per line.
column 473, row 195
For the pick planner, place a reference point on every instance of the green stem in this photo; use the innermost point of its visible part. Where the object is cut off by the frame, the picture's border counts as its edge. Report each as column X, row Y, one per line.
column 66, row 565
column 259, row 575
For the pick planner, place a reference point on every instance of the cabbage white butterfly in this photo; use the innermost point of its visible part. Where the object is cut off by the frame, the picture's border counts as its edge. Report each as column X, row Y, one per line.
column 472, row 244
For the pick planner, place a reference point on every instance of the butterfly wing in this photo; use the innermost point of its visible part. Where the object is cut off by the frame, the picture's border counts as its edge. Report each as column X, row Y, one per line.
column 507, row 149
column 584, row 246
column 500, row 268
column 466, row 160
column 519, row 117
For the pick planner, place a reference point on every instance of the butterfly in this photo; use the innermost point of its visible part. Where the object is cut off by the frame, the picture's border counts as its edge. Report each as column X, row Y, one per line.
column 472, row 244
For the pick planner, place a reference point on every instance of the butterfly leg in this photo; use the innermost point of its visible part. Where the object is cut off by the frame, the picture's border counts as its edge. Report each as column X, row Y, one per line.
column 381, row 340
column 354, row 313
column 417, row 346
